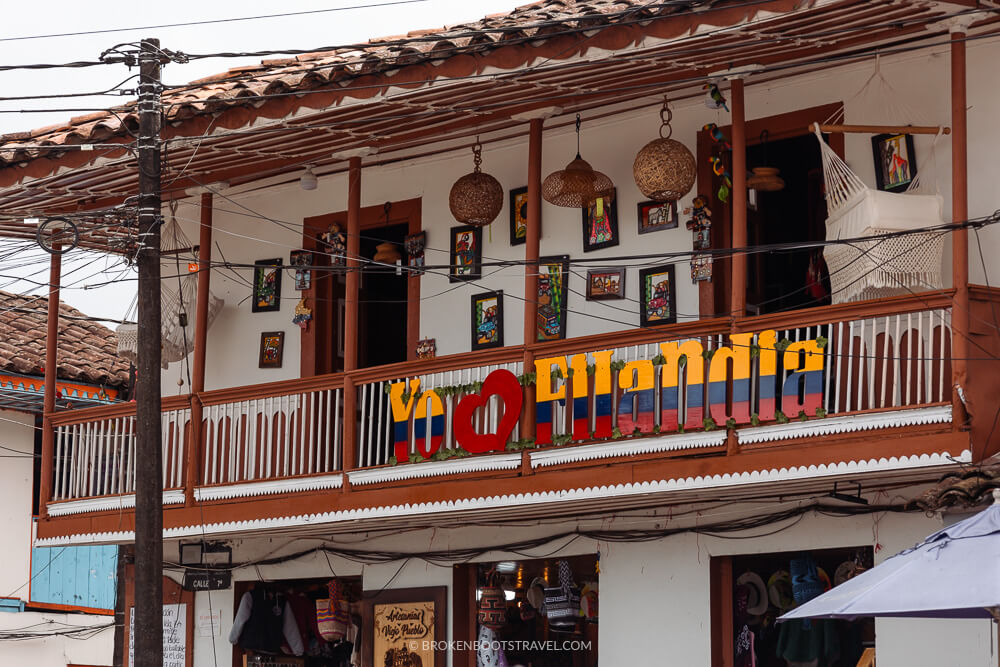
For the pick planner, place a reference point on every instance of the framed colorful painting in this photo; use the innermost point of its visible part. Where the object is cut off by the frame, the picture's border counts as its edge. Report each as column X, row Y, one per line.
column 487, row 320
column 518, row 216
column 272, row 347
column 895, row 161
column 657, row 296
column 553, row 272
column 266, row 285
column 466, row 253
column 605, row 284
column 657, row 215
column 600, row 224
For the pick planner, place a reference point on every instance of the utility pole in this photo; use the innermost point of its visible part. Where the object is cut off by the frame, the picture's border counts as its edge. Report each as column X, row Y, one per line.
column 148, row 613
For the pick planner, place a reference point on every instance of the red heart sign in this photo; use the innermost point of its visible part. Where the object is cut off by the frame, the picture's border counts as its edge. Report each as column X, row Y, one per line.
column 504, row 384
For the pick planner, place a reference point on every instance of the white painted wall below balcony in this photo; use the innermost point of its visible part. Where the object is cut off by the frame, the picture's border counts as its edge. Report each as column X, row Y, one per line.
column 267, row 223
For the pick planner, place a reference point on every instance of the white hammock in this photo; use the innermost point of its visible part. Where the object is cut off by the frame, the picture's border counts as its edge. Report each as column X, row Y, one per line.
column 177, row 341
column 883, row 267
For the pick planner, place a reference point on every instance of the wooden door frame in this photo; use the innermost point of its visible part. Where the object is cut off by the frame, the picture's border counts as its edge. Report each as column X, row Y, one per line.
column 714, row 297
column 316, row 352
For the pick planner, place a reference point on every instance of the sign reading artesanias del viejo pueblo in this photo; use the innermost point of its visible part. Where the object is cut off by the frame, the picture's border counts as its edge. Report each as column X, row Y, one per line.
column 611, row 395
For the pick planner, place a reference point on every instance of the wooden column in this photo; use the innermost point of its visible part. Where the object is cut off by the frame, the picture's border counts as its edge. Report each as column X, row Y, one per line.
column 194, row 448
column 353, row 287
column 960, row 237
column 738, row 283
column 533, row 235
column 49, row 397
column 350, row 430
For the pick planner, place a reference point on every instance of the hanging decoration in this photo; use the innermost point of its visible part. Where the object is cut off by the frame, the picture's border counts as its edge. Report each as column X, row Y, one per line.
column 664, row 169
column 426, row 348
column 719, row 169
column 714, row 99
column 414, row 246
column 476, row 199
column 578, row 184
column 492, row 607
column 302, row 314
column 719, row 139
column 764, row 178
column 386, row 252
column 333, row 242
column 701, row 225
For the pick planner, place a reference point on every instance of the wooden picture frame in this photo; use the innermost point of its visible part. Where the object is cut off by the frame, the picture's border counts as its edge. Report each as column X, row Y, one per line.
column 487, row 320
column 518, row 201
column 272, row 349
column 655, row 216
column 466, row 246
column 604, row 284
column 412, row 606
column 553, row 274
column 266, row 285
column 602, row 232
column 657, row 295
column 895, row 161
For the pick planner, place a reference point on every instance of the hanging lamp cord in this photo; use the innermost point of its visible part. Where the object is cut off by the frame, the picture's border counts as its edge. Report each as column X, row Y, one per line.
column 477, row 156
column 578, row 136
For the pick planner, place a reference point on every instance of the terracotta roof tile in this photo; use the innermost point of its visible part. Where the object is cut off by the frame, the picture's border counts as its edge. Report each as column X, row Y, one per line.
column 87, row 350
column 969, row 488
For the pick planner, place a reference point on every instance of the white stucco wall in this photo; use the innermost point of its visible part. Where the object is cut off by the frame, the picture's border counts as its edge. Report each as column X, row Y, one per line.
column 17, row 439
column 267, row 223
column 654, row 596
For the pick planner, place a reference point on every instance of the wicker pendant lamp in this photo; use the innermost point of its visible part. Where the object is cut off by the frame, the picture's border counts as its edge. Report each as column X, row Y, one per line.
column 386, row 252
column 765, row 179
column 664, row 169
column 476, row 198
column 578, row 184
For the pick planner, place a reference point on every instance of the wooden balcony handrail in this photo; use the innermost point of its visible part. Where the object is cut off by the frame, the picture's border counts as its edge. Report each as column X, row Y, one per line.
column 277, row 388
column 448, row 362
column 99, row 412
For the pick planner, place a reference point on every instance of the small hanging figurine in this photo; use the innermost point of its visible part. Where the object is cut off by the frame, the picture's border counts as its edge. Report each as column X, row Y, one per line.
column 414, row 245
column 714, row 99
column 718, row 137
column 302, row 314
column 700, row 224
column 334, row 243
column 719, row 169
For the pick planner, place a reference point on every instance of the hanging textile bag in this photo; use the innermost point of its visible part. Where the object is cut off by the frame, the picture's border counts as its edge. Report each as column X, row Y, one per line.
column 562, row 603
column 492, row 607
column 333, row 614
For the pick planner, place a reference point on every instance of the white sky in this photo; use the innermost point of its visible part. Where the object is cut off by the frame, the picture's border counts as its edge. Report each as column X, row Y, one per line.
column 63, row 16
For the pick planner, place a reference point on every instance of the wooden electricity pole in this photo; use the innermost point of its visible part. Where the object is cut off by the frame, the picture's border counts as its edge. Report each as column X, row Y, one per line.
column 148, row 612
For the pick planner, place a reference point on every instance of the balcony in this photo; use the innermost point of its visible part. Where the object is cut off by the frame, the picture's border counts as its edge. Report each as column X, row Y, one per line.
column 864, row 381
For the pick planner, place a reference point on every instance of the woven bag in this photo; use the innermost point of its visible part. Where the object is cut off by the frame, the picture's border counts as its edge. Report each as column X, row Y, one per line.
column 333, row 614
column 492, row 606
column 562, row 603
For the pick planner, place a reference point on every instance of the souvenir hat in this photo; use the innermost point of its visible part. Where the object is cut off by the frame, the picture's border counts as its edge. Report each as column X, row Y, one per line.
column 779, row 589
column 846, row 570
column 536, row 593
column 757, row 600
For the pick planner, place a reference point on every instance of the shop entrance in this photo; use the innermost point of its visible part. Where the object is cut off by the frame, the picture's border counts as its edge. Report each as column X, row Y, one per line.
column 382, row 305
column 750, row 592
column 537, row 613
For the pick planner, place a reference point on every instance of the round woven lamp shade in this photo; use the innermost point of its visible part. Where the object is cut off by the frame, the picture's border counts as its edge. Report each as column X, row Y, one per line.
column 766, row 179
column 664, row 170
column 476, row 199
column 577, row 185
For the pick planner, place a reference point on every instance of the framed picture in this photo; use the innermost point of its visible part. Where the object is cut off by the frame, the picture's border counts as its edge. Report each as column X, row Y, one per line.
column 895, row 161
column 657, row 215
column 401, row 627
column 605, row 284
column 466, row 253
column 487, row 320
column 272, row 346
column 600, row 224
column 414, row 245
column 519, row 215
column 553, row 272
column 266, row 285
column 302, row 260
column 657, row 296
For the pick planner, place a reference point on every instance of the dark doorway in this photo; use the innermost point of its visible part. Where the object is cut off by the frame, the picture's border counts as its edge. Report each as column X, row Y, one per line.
column 779, row 280
column 383, row 305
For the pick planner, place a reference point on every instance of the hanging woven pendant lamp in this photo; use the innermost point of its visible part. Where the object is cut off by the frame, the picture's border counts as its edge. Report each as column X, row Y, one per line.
column 386, row 252
column 578, row 184
column 765, row 179
column 477, row 198
column 664, row 169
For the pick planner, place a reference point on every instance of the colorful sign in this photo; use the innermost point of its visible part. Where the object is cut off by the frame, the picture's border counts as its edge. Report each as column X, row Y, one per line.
column 691, row 384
